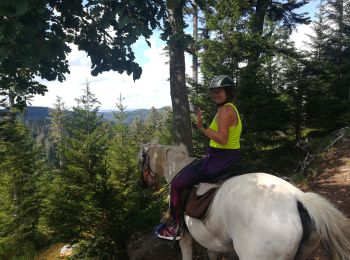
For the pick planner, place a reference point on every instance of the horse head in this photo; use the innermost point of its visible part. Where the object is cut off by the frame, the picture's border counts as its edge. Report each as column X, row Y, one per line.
column 156, row 161
column 148, row 159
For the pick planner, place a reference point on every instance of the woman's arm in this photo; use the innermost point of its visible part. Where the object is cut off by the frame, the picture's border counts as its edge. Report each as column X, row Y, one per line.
column 225, row 118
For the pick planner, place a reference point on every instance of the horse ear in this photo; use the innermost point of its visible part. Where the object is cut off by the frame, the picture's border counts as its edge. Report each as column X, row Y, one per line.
column 144, row 147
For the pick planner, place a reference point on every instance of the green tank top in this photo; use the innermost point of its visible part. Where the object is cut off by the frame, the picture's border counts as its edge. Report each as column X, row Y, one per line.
column 234, row 133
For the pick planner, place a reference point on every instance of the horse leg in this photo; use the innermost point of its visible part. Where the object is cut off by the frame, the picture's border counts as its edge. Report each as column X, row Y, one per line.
column 186, row 246
column 212, row 255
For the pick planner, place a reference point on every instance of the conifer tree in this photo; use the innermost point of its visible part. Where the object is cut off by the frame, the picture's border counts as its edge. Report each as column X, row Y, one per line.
column 57, row 131
column 248, row 38
column 296, row 79
column 126, row 210
column 330, row 56
column 20, row 199
column 71, row 202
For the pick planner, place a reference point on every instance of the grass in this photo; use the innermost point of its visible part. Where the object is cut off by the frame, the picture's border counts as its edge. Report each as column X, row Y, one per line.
column 298, row 179
column 51, row 253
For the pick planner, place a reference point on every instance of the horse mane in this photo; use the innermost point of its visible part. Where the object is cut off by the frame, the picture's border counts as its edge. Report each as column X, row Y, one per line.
column 181, row 148
column 160, row 153
column 162, row 149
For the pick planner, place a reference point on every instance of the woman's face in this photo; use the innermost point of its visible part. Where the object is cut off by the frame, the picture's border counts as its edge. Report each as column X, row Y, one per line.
column 219, row 95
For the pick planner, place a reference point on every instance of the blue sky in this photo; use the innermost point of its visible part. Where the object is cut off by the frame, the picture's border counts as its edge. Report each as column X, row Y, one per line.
column 152, row 89
column 310, row 8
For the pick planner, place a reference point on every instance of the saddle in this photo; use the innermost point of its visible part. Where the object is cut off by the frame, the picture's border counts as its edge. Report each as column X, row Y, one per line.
column 197, row 200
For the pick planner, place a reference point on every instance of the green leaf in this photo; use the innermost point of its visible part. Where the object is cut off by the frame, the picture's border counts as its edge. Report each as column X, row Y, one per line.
column 124, row 21
column 3, row 52
column 14, row 8
column 40, row 10
column 9, row 30
column 22, row 7
column 137, row 73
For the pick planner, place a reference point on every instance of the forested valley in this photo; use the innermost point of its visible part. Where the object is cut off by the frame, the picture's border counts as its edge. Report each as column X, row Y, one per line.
column 76, row 180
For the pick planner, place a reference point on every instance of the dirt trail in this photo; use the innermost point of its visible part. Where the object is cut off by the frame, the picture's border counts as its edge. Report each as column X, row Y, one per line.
column 333, row 182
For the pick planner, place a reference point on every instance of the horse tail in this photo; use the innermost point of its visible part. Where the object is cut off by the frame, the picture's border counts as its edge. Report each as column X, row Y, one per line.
column 330, row 223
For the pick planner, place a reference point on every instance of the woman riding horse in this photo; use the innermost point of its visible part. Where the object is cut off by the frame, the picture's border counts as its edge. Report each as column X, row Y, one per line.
column 224, row 149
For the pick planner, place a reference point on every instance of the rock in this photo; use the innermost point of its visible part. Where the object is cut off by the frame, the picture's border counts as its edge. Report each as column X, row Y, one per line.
column 66, row 251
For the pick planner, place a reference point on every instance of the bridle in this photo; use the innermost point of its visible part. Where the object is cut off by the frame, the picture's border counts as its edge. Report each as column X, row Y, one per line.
column 148, row 173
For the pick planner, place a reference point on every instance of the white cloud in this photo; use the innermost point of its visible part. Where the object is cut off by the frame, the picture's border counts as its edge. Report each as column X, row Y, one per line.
column 300, row 36
column 152, row 89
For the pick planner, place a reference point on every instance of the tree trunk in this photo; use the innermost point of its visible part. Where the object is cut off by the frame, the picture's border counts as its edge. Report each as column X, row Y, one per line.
column 195, row 38
column 257, row 28
column 178, row 90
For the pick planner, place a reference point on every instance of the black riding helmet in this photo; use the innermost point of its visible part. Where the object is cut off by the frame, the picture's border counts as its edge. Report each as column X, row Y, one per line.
column 221, row 81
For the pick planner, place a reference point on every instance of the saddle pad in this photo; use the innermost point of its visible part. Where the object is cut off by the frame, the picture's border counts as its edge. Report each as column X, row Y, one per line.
column 197, row 206
column 203, row 187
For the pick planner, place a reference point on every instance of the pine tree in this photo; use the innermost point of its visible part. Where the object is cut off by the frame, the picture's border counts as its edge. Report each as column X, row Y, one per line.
column 250, row 41
column 330, row 56
column 71, row 202
column 124, row 205
column 296, row 78
column 21, row 169
column 57, row 131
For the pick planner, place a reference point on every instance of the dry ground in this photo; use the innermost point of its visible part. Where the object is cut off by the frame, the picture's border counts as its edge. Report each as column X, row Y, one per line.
column 333, row 182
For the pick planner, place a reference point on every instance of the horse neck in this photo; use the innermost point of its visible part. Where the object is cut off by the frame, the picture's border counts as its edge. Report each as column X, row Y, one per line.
column 174, row 164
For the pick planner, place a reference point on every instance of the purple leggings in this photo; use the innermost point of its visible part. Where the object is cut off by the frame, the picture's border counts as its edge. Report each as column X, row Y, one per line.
column 208, row 167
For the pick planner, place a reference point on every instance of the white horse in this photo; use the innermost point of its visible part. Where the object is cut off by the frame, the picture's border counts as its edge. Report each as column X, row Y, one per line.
column 257, row 215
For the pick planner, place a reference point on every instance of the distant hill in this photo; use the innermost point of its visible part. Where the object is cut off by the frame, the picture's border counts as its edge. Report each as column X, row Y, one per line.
column 42, row 113
column 131, row 115
column 36, row 113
